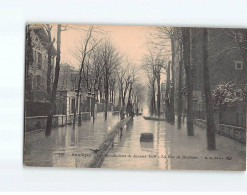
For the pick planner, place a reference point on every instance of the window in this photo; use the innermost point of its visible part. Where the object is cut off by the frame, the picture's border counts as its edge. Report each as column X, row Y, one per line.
column 238, row 65
column 72, row 105
column 38, row 81
column 39, row 60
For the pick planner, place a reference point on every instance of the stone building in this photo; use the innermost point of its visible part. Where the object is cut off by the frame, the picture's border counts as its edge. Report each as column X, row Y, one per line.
column 68, row 77
column 38, row 69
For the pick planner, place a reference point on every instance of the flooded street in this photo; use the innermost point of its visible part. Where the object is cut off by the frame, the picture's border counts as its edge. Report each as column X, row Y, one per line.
column 67, row 147
column 170, row 149
column 143, row 154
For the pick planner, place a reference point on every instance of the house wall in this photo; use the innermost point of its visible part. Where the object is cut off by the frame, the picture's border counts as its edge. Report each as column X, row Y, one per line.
column 39, row 122
column 221, row 64
column 38, row 70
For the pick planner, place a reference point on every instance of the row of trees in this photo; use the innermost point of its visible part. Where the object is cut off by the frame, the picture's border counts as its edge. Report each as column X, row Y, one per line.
column 154, row 64
column 182, row 44
column 103, row 71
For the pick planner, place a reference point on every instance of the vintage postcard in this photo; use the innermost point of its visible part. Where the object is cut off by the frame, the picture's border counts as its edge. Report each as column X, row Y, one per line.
column 135, row 97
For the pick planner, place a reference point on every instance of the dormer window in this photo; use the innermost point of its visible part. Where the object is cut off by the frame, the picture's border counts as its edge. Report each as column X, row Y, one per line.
column 238, row 65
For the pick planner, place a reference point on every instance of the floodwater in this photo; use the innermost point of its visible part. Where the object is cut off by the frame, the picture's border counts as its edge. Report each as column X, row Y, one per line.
column 170, row 149
column 129, row 153
column 67, row 147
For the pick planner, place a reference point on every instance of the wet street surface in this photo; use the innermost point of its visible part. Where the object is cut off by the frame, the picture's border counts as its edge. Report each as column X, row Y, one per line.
column 67, row 147
column 170, row 149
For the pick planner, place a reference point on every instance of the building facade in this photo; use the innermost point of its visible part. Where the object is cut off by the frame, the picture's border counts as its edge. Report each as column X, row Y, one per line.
column 225, row 65
column 38, row 69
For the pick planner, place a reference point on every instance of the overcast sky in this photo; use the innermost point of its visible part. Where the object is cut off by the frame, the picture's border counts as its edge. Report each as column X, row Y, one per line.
column 129, row 40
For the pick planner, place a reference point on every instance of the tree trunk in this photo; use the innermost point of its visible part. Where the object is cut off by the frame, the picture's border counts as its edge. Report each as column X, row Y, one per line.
column 119, row 97
column 124, row 94
column 158, row 92
column 208, row 96
column 154, row 103
column 167, row 105
column 110, row 92
column 100, row 95
column 106, row 94
column 172, row 114
column 113, row 96
column 180, row 94
column 54, row 87
column 189, row 77
column 49, row 65
column 130, row 91
column 75, row 110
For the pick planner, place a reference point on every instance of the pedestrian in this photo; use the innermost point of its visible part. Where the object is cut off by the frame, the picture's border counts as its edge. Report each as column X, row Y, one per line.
column 129, row 109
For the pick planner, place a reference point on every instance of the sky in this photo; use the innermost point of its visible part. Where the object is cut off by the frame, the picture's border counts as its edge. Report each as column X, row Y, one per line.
column 130, row 41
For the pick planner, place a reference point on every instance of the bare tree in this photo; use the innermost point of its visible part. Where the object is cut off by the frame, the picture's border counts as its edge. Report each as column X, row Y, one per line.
column 153, row 64
column 81, row 55
column 179, row 102
column 238, row 42
column 149, row 67
column 110, row 61
column 121, row 72
column 54, row 87
column 51, row 41
column 167, row 39
column 208, row 96
column 167, row 94
column 189, row 78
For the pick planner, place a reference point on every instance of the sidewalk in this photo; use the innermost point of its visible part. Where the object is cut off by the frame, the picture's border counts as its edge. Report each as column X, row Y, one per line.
column 67, row 147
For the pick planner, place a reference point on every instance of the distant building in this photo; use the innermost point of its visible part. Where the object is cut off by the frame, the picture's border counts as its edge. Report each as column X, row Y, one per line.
column 68, row 77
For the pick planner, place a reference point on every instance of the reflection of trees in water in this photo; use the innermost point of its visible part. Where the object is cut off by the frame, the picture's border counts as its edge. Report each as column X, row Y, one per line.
column 129, row 125
column 147, row 146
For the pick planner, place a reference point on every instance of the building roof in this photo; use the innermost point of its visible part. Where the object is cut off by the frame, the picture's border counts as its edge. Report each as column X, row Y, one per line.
column 43, row 36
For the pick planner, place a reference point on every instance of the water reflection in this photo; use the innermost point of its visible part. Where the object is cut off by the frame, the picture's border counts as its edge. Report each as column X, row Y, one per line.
column 144, row 154
column 129, row 125
column 67, row 147
column 147, row 146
